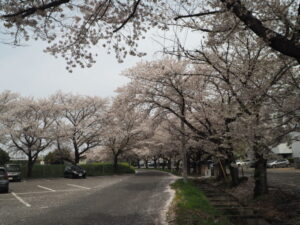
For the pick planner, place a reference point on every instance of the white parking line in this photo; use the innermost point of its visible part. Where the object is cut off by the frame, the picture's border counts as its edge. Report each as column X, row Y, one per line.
column 48, row 189
column 43, row 192
column 7, row 199
column 74, row 185
column 20, row 199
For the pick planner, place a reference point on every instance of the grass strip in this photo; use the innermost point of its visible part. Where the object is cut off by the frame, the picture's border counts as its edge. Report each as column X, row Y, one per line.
column 191, row 207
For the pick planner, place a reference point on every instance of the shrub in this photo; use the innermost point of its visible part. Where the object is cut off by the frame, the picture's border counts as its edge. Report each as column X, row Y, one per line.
column 4, row 157
column 58, row 156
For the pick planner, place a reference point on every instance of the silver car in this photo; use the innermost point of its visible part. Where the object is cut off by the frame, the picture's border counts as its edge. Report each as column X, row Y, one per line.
column 278, row 163
column 4, row 183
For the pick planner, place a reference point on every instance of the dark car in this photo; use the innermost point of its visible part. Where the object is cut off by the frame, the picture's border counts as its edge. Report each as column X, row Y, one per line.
column 74, row 171
column 4, row 183
column 13, row 172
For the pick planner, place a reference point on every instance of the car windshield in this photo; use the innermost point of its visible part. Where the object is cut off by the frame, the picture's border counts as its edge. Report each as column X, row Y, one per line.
column 76, row 168
column 13, row 168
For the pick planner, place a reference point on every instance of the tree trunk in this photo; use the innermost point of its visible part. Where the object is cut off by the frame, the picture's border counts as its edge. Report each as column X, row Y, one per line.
column 146, row 163
column 234, row 171
column 177, row 165
column 115, row 163
column 188, row 164
column 76, row 151
column 77, row 157
column 155, row 163
column 169, row 164
column 138, row 164
column 260, row 176
column 222, row 175
column 164, row 164
column 29, row 166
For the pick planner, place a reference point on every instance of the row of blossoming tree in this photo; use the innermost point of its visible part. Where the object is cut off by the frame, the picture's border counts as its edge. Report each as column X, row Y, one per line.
column 236, row 90
column 64, row 121
column 232, row 98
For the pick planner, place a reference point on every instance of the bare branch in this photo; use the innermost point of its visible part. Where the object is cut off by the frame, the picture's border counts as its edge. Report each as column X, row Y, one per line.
column 136, row 4
column 30, row 11
column 199, row 14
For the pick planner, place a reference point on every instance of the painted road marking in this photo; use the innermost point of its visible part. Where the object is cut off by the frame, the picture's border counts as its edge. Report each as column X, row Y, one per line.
column 20, row 199
column 74, row 185
column 48, row 189
column 43, row 192
column 7, row 199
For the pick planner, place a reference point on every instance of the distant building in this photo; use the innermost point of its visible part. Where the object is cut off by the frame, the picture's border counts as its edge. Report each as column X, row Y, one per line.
column 285, row 150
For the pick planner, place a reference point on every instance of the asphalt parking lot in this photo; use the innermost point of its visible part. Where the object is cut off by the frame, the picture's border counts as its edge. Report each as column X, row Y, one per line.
column 125, row 199
column 285, row 178
column 31, row 193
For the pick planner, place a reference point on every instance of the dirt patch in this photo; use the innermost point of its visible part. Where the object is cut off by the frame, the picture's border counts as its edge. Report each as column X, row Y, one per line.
column 279, row 207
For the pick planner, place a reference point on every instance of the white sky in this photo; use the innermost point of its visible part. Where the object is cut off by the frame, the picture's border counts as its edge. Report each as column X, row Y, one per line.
column 31, row 72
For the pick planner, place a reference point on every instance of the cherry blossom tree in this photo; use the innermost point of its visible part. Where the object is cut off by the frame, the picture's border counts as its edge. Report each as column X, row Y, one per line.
column 256, row 81
column 29, row 128
column 276, row 23
column 124, row 129
column 233, row 82
column 73, row 27
column 167, row 87
column 80, row 122
column 7, row 100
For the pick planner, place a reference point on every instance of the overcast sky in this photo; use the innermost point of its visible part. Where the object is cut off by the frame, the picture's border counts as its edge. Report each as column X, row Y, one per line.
column 31, row 72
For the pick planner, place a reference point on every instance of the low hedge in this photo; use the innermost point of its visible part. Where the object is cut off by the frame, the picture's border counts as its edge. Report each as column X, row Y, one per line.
column 94, row 169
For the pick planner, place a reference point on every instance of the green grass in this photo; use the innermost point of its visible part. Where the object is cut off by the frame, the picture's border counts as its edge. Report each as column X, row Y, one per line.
column 165, row 170
column 192, row 207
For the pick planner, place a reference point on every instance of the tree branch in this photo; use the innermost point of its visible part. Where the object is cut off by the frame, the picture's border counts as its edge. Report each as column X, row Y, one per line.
column 30, row 11
column 135, row 6
column 273, row 39
column 199, row 14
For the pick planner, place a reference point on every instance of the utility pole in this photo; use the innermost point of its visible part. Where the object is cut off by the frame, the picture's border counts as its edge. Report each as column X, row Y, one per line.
column 182, row 128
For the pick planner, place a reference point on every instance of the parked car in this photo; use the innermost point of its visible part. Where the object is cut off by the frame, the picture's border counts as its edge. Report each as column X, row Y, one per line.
column 13, row 172
column 74, row 171
column 243, row 163
column 278, row 163
column 4, row 183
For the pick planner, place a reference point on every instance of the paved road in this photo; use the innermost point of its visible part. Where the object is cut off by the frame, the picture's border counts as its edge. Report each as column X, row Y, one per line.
column 286, row 178
column 117, row 200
